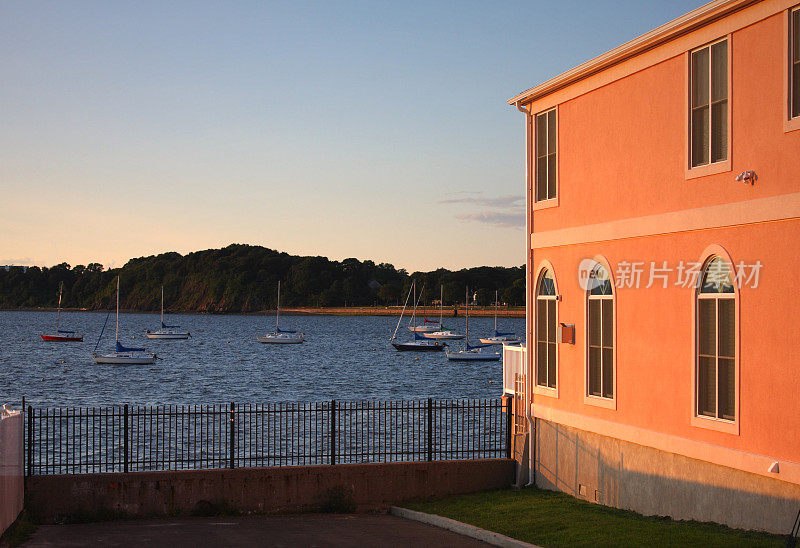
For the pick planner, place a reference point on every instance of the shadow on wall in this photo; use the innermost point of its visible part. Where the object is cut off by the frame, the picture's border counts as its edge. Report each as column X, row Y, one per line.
column 652, row 482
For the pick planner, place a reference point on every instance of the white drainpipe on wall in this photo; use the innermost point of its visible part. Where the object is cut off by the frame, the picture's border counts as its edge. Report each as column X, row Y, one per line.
column 528, row 332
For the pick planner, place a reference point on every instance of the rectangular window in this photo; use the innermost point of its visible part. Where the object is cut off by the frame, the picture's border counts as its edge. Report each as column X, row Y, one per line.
column 546, row 342
column 546, row 156
column 709, row 104
column 716, row 360
column 601, row 347
column 794, row 60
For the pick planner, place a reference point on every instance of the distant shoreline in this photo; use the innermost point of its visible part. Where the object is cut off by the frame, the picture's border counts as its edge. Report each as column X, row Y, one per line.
column 427, row 312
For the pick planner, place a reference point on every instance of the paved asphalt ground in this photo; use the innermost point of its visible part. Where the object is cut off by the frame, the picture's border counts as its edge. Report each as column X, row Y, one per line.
column 289, row 530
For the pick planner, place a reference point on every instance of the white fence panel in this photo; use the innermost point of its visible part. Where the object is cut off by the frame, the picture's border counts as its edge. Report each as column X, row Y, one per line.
column 11, row 467
column 514, row 363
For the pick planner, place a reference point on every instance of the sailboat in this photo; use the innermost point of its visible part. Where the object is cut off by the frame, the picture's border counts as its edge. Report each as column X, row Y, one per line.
column 61, row 335
column 425, row 327
column 281, row 336
column 167, row 331
column 122, row 355
column 499, row 337
column 443, row 333
column 472, row 353
column 420, row 343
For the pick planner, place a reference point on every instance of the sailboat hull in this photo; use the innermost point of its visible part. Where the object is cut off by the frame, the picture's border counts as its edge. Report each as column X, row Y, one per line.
column 120, row 358
column 444, row 335
column 281, row 339
column 415, row 346
column 468, row 356
column 61, row 338
column 167, row 335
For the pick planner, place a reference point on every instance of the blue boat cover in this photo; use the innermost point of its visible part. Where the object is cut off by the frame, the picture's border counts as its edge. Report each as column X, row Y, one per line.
column 165, row 326
column 279, row 330
column 501, row 333
column 471, row 347
column 418, row 337
column 62, row 331
column 121, row 348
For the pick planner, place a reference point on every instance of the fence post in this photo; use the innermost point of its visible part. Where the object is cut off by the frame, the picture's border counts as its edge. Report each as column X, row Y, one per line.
column 509, row 424
column 232, row 447
column 125, row 440
column 333, row 432
column 430, row 429
column 30, row 440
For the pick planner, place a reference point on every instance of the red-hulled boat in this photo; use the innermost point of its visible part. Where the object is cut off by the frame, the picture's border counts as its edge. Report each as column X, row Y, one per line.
column 61, row 335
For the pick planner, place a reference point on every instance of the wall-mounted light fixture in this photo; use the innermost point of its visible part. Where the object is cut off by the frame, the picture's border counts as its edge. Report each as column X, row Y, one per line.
column 749, row 177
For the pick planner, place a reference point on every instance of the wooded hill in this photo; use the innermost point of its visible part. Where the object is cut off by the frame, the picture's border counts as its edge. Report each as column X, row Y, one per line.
column 243, row 278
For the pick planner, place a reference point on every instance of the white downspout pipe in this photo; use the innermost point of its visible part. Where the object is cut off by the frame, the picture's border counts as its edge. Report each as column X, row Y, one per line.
column 529, row 338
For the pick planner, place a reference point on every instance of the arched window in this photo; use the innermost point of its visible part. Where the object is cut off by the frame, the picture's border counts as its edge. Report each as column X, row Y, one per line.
column 716, row 342
column 546, row 303
column 600, row 334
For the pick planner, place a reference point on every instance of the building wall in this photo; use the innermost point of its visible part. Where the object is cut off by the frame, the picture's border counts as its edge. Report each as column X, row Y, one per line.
column 625, row 195
column 623, row 148
column 634, row 477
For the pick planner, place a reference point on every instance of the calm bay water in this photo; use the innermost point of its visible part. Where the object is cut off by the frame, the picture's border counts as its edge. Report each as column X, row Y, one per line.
column 345, row 358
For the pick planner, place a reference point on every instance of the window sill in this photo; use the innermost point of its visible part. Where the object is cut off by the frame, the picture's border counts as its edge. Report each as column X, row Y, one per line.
column 709, row 169
column 545, row 204
column 545, row 391
column 716, row 424
column 601, row 402
column 791, row 125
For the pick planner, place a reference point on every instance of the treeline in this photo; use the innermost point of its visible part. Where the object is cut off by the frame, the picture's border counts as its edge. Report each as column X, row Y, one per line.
column 243, row 278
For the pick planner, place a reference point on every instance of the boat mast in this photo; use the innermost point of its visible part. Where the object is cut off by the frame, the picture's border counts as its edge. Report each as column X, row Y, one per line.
column 495, row 311
column 466, row 302
column 162, row 305
column 278, row 308
column 116, row 337
column 58, row 314
column 441, row 301
column 400, row 319
column 414, row 314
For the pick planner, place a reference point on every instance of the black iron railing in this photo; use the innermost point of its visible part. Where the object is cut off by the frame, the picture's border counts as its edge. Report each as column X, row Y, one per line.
column 130, row 438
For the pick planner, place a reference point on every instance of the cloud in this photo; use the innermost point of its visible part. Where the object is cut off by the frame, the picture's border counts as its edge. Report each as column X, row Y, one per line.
column 25, row 261
column 497, row 218
column 510, row 201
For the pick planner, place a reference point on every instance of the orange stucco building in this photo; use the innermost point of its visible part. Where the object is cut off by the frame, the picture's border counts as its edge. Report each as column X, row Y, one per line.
column 663, row 325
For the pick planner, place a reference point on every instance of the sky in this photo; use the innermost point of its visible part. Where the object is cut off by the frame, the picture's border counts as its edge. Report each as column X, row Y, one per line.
column 375, row 130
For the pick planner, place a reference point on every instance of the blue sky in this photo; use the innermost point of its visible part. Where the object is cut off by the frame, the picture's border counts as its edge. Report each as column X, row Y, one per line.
column 376, row 130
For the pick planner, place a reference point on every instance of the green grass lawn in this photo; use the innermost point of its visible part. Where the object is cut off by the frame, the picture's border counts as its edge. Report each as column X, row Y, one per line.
column 549, row 518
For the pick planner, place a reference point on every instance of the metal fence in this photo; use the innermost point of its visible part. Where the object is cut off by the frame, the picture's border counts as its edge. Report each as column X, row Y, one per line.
column 129, row 438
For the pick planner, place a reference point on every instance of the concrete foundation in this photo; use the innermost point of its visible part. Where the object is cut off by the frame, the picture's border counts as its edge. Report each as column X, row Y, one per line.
column 652, row 482
column 362, row 487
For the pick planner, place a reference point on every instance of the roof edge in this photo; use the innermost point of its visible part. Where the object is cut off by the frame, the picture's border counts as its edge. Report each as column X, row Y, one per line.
column 677, row 27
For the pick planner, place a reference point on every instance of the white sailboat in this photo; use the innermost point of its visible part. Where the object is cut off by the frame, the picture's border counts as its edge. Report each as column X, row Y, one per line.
column 420, row 343
column 122, row 355
column 167, row 331
column 499, row 337
column 428, row 326
column 443, row 333
column 281, row 336
column 472, row 353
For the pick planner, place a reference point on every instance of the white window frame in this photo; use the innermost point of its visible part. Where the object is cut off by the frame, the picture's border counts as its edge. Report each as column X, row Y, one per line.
column 550, row 201
column 588, row 398
column 711, row 167
column 704, row 421
column 791, row 122
column 538, row 388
